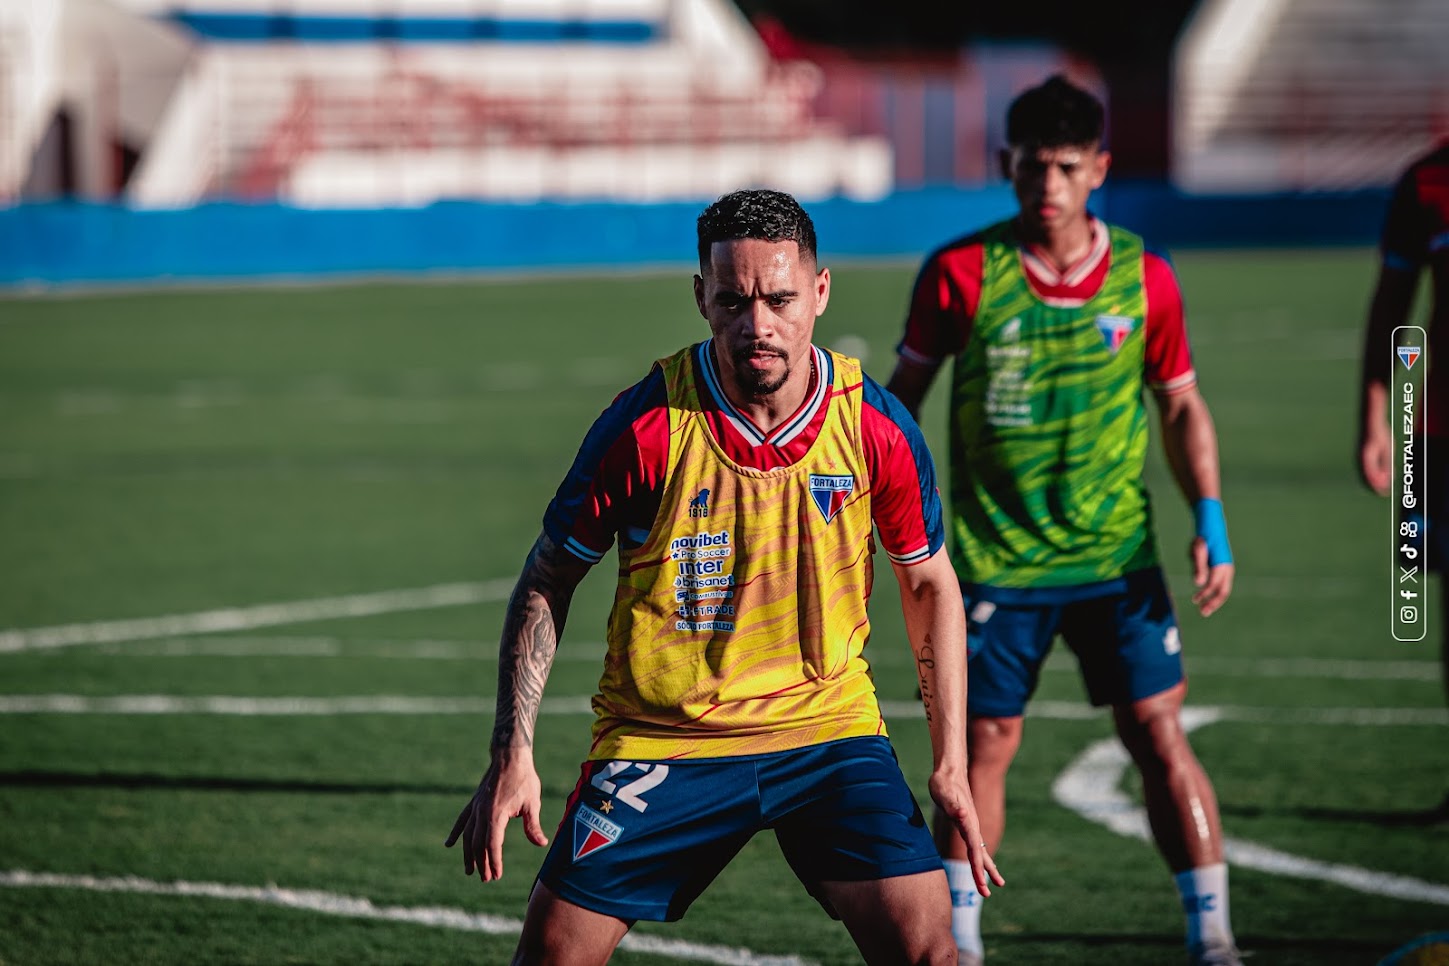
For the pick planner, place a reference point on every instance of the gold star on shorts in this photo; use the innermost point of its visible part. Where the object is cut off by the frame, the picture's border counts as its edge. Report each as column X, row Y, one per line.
column 607, row 807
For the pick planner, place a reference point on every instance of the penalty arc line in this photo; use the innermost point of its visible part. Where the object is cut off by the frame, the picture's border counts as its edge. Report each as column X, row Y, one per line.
column 352, row 907
column 1089, row 787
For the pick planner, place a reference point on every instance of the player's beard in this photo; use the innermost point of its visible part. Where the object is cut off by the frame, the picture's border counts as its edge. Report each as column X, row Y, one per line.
column 753, row 382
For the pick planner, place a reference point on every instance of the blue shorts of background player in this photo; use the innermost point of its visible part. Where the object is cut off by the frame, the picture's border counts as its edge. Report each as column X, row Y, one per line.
column 642, row 840
column 1123, row 632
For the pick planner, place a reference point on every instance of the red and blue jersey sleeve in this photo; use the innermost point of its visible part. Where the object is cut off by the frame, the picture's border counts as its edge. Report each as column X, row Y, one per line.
column 1167, row 362
column 943, row 303
column 613, row 487
column 905, row 503
column 1417, row 222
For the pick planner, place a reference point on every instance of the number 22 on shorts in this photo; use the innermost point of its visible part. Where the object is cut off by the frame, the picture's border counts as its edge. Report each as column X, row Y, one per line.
column 630, row 793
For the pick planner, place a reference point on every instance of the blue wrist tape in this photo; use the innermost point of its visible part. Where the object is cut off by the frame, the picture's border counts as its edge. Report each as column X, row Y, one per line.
column 1212, row 526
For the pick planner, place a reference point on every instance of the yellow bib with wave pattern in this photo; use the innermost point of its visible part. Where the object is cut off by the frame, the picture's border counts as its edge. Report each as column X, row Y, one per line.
column 738, row 625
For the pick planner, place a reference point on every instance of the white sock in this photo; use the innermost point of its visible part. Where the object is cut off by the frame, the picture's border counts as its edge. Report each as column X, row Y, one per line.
column 1204, row 893
column 965, row 906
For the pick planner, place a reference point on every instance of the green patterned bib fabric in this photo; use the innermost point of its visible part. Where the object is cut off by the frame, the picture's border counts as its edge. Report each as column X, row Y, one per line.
column 1049, row 431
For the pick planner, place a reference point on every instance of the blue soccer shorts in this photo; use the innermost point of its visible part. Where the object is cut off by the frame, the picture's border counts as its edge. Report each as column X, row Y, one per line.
column 1126, row 644
column 642, row 840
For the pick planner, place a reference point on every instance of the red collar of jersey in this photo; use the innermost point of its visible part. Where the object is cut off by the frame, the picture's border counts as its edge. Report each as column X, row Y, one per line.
column 1072, row 284
column 789, row 430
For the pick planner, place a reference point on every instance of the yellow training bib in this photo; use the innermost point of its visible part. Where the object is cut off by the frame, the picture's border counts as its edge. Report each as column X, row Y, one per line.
column 739, row 623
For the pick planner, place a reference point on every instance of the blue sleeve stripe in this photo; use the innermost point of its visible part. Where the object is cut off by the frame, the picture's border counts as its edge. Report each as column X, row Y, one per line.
column 614, row 422
column 1399, row 263
column 916, row 358
column 582, row 552
column 915, row 557
column 875, row 396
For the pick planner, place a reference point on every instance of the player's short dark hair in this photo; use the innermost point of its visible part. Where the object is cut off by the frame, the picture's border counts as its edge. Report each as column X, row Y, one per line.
column 1054, row 114
column 755, row 213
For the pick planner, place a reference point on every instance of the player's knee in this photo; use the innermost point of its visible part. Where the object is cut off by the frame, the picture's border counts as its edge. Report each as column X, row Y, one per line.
column 552, row 949
column 942, row 952
column 936, row 948
column 1156, row 742
column 993, row 741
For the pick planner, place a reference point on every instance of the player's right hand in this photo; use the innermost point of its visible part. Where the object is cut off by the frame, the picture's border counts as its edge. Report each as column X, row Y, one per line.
column 509, row 789
column 1375, row 460
column 1213, row 582
column 953, row 797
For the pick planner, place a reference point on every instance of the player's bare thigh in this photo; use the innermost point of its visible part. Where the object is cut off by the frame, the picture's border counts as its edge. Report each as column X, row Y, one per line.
column 559, row 933
column 902, row 919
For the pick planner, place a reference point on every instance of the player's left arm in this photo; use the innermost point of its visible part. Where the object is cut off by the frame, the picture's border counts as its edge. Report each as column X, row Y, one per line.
column 906, row 508
column 936, row 625
column 1191, row 443
column 1403, row 249
column 1189, row 437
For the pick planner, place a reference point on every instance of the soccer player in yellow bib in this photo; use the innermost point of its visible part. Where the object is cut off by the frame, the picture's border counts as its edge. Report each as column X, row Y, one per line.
column 1058, row 322
column 741, row 478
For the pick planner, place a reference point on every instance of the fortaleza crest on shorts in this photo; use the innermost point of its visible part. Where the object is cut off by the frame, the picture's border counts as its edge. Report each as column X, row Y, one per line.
column 1115, row 329
column 1408, row 355
column 593, row 832
column 830, row 493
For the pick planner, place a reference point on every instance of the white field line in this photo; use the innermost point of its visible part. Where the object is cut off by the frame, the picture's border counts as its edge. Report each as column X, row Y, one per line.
column 339, row 647
column 352, row 907
column 1089, row 787
column 254, row 616
column 243, row 706
column 281, row 645
column 154, row 704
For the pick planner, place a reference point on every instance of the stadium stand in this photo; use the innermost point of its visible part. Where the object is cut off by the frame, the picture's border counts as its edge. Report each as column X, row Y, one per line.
column 355, row 103
column 85, row 79
column 1308, row 94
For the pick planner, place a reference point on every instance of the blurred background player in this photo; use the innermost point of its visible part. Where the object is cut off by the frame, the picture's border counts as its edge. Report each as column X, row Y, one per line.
column 741, row 478
column 1415, row 236
column 1056, row 322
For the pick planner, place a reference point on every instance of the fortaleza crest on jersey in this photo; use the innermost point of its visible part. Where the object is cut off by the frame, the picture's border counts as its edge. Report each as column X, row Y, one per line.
column 1408, row 355
column 593, row 832
column 830, row 493
column 1115, row 329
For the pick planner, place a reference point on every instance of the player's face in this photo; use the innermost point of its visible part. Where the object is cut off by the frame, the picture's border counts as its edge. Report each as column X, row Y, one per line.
column 1052, row 184
column 761, row 301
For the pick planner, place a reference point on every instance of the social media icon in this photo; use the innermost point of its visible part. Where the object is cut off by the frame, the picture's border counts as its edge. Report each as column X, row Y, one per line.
column 1409, row 615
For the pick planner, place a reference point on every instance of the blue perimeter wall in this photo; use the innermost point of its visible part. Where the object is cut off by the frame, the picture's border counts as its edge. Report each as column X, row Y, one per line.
column 69, row 243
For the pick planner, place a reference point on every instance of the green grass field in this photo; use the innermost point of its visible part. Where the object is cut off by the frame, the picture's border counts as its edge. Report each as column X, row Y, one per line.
column 172, row 454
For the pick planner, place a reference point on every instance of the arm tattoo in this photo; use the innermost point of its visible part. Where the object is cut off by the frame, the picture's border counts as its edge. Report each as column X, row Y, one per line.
column 926, row 661
column 531, row 627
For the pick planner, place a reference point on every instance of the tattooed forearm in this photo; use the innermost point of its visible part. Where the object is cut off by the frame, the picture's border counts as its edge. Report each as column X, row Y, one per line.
column 531, row 629
column 925, row 664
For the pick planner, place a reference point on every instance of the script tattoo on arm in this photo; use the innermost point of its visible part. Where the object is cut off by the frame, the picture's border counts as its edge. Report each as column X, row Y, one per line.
column 531, row 629
column 926, row 662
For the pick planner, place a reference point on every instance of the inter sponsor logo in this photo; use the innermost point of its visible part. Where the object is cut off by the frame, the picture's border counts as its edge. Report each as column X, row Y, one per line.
column 830, row 493
column 593, row 832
